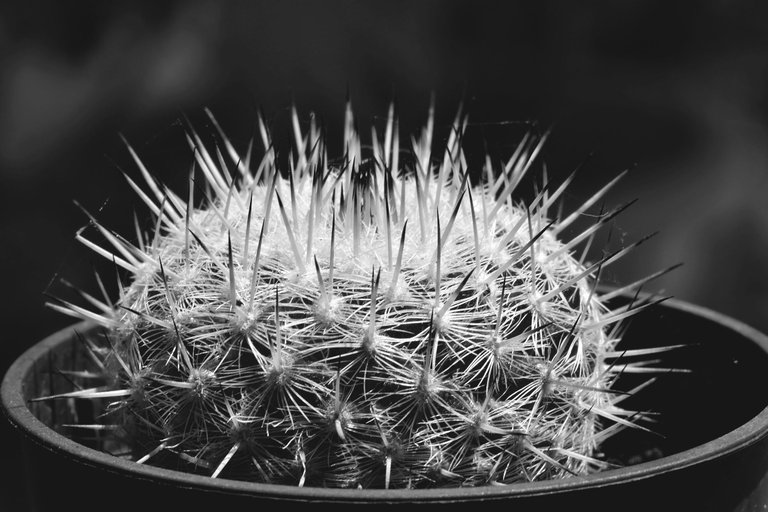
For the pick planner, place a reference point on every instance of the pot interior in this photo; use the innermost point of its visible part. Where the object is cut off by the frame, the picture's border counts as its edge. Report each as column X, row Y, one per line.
column 721, row 388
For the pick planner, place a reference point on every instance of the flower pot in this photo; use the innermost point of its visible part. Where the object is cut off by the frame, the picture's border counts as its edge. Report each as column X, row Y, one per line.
column 709, row 449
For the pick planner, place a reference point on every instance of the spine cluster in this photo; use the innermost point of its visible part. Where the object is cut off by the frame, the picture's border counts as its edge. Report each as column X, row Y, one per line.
column 378, row 320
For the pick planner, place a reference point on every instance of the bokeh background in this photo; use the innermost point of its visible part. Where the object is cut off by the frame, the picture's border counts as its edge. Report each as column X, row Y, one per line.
column 676, row 91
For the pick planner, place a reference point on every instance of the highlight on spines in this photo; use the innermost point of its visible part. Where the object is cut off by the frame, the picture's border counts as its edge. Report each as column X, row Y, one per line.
column 375, row 319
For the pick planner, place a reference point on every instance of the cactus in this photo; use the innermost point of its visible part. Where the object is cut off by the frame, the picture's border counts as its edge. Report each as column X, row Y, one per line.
column 384, row 320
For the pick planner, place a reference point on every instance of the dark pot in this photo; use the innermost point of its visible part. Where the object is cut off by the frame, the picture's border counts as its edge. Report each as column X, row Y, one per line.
column 711, row 452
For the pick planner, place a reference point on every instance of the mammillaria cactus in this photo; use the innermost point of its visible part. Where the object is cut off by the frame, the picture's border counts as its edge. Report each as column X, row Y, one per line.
column 385, row 319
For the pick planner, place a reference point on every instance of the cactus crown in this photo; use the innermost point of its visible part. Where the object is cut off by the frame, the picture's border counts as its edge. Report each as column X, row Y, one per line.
column 380, row 320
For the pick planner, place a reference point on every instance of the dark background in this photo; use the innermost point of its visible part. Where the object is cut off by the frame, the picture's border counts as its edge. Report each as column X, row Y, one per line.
column 677, row 91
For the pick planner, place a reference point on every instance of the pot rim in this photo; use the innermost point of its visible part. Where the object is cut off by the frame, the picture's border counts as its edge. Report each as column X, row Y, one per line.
column 22, row 418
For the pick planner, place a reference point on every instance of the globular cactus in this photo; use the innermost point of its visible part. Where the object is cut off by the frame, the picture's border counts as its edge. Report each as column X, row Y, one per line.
column 385, row 319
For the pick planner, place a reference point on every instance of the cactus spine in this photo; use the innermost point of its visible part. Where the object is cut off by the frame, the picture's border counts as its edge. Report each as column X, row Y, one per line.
column 380, row 320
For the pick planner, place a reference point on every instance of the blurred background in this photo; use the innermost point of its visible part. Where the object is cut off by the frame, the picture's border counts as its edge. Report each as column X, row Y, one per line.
column 675, row 91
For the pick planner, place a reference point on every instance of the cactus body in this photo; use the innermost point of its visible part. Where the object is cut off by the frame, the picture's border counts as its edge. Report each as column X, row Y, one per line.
column 380, row 320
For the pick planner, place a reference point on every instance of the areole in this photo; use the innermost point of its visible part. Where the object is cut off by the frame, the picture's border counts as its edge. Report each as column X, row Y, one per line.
column 713, row 423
